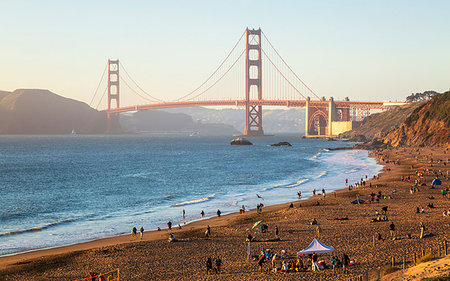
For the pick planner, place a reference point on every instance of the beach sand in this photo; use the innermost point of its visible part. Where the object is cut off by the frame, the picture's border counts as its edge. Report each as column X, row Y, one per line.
column 154, row 258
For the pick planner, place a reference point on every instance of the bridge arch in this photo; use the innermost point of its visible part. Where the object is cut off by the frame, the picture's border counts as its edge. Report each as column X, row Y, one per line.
column 318, row 122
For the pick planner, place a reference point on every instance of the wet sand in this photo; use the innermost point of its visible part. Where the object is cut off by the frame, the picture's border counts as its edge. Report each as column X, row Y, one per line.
column 153, row 258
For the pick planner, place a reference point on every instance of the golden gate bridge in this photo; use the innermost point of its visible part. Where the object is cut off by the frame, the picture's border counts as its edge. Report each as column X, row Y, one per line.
column 243, row 80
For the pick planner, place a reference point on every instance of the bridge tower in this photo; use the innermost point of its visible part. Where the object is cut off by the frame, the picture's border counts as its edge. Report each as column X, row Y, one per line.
column 113, row 95
column 253, row 83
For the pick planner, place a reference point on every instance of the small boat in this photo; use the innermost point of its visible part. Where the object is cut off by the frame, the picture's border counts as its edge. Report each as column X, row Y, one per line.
column 73, row 132
column 194, row 134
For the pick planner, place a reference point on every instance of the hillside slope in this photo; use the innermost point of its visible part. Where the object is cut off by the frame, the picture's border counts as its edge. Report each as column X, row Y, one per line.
column 32, row 111
column 376, row 124
column 162, row 121
column 428, row 125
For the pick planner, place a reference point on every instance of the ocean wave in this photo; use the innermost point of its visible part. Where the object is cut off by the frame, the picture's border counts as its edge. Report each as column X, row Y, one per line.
column 322, row 174
column 34, row 229
column 171, row 196
column 352, row 171
column 316, row 155
column 194, row 201
column 298, row 183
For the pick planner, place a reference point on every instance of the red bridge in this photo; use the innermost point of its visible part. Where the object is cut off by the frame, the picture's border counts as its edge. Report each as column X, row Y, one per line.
column 252, row 85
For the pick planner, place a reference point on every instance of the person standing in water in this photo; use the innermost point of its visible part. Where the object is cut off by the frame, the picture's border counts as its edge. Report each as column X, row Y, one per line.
column 202, row 214
column 184, row 214
column 218, row 213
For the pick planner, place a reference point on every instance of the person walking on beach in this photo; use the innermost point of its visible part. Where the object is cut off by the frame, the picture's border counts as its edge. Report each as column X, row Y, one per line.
column 218, row 213
column 323, row 192
column 392, row 229
column 134, row 232
column 276, row 231
column 319, row 231
column 142, row 232
column 202, row 214
column 422, row 229
column 345, row 262
column 208, row 266
column 314, row 191
column 261, row 262
column 169, row 225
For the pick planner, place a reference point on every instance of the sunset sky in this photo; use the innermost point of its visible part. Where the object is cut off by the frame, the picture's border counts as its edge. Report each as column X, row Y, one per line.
column 366, row 50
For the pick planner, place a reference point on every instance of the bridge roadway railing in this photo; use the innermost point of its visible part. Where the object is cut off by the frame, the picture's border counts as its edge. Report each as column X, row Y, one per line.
column 241, row 103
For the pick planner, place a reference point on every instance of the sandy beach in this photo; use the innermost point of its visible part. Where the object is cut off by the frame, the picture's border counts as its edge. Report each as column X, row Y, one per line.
column 154, row 258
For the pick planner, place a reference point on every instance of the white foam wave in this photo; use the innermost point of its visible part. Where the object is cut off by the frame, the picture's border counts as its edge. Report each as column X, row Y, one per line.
column 322, row 174
column 316, row 155
column 352, row 171
column 34, row 229
column 195, row 201
column 298, row 183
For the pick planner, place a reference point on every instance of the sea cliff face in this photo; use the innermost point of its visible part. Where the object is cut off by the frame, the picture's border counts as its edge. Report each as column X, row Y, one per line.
column 427, row 125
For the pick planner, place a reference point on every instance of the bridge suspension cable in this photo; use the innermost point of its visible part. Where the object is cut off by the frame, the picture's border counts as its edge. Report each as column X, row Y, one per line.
column 215, row 71
column 98, row 86
column 137, row 85
column 287, row 65
column 101, row 99
column 218, row 80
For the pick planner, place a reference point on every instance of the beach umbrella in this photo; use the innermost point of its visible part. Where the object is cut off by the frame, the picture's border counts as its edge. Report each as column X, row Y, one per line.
column 436, row 182
column 257, row 223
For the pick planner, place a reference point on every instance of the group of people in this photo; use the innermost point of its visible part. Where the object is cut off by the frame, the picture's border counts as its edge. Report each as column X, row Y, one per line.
column 134, row 232
column 298, row 265
column 210, row 268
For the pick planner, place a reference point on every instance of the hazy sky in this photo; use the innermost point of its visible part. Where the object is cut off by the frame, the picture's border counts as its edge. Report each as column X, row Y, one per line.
column 367, row 50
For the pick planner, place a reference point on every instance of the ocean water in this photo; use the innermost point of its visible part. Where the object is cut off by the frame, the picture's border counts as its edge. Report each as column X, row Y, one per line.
column 60, row 190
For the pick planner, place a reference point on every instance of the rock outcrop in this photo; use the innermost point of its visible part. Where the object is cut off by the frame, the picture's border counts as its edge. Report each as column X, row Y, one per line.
column 281, row 143
column 241, row 141
column 376, row 124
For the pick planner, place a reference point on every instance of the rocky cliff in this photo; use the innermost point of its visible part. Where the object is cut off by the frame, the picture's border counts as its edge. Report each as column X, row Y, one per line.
column 427, row 125
column 376, row 124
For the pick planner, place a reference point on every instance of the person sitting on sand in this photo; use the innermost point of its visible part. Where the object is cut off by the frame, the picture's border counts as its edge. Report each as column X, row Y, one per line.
column 172, row 237
column 336, row 263
column 284, row 267
column 314, row 221
column 249, row 238
column 218, row 265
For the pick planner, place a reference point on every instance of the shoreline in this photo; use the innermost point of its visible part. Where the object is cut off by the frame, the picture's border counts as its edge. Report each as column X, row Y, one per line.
column 143, row 259
column 106, row 241
column 152, row 235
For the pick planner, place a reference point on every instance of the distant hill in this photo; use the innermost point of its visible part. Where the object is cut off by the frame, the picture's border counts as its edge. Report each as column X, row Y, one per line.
column 162, row 121
column 33, row 111
column 289, row 120
column 427, row 125
column 3, row 94
column 376, row 124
